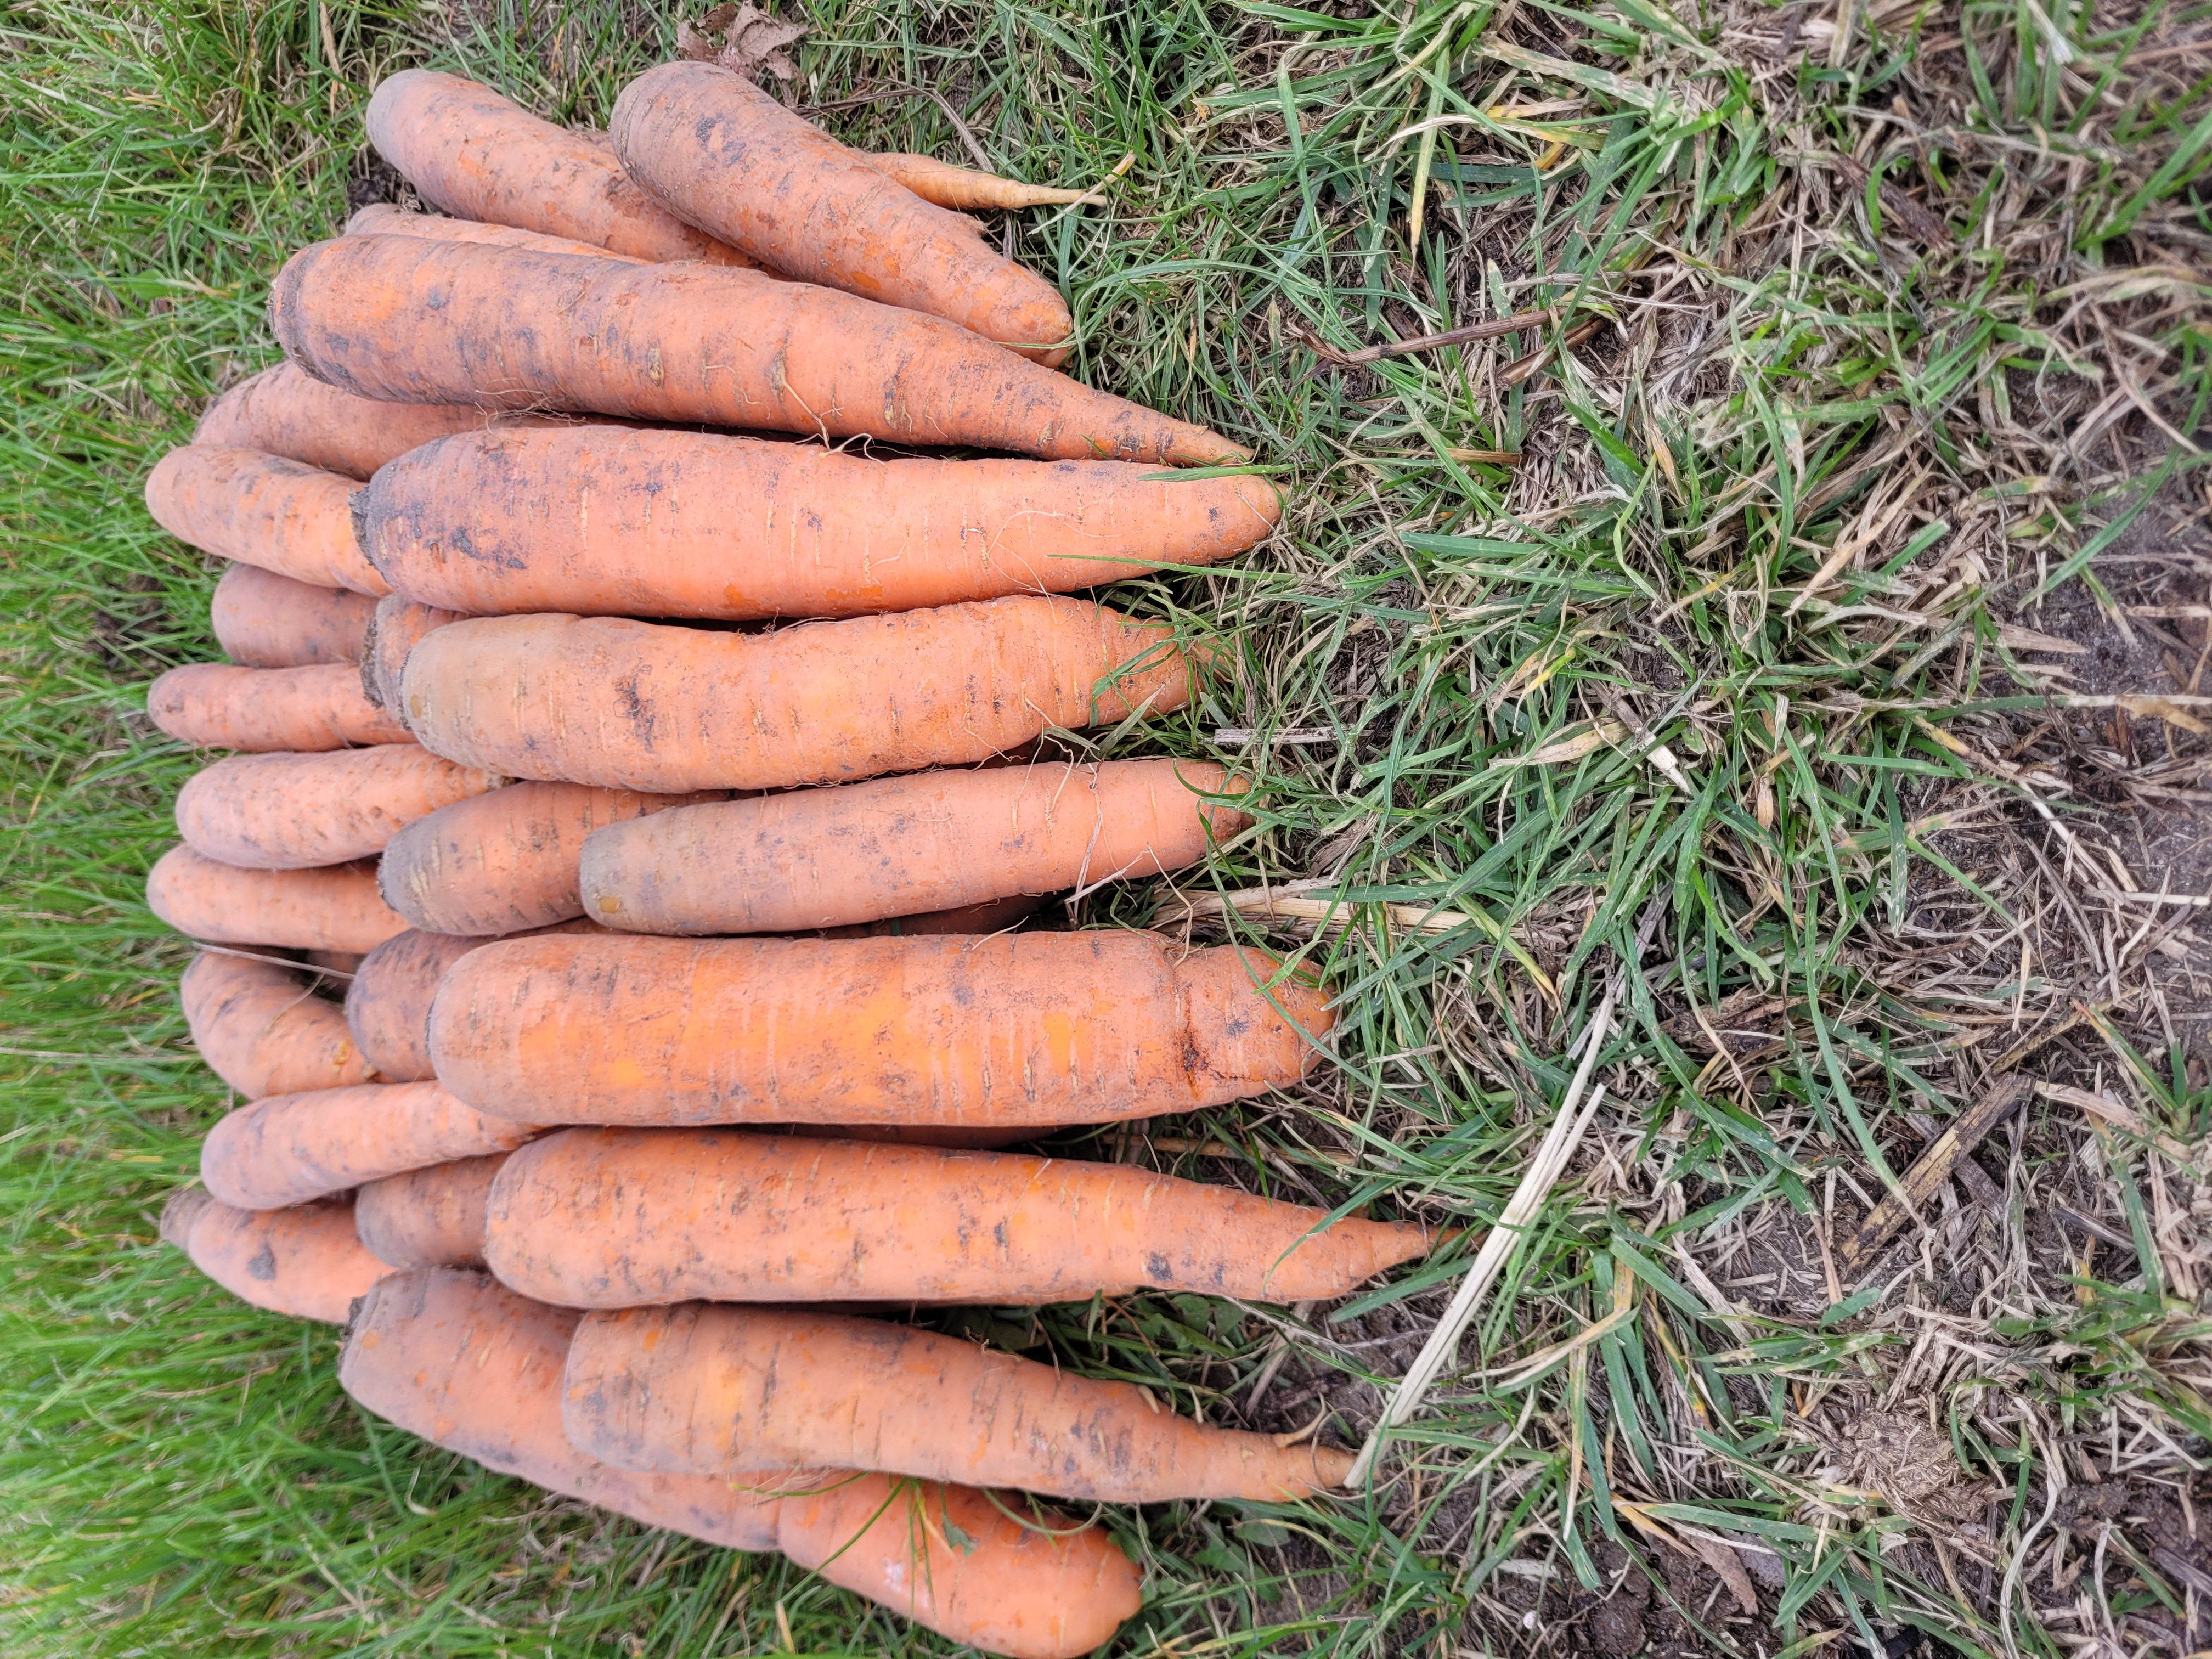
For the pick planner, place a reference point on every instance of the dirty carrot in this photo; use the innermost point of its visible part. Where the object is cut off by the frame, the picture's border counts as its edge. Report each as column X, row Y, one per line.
column 301, row 811
column 302, row 710
column 728, row 157
column 432, row 1218
column 506, row 861
column 478, row 155
column 631, row 705
column 263, row 1031
column 827, row 858
column 387, row 1005
column 628, row 1218
column 705, row 1387
column 307, row 1263
column 286, row 412
column 984, row 1033
column 450, row 1356
column 607, row 520
column 409, row 318
column 332, row 909
column 289, row 1149
column 398, row 628
column 264, row 510
column 263, row 620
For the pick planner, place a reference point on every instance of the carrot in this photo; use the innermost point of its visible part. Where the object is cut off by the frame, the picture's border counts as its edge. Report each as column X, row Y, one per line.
column 302, row 812
column 405, row 318
column 263, row 1031
column 983, row 1033
column 382, row 219
column 479, row 156
column 332, row 909
column 396, row 628
column 387, row 1005
column 962, row 189
column 603, row 521
column 306, row 1263
column 707, row 1388
column 263, row 620
column 432, row 1218
column 506, row 861
column 289, row 1149
column 725, row 156
column 452, row 1356
column 629, row 705
column 263, row 510
column 826, row 858
column 302, row 710
column 629, row 1218
column 285, row 411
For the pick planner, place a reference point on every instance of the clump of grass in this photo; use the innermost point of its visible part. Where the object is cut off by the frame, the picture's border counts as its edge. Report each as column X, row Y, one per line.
column 1842, row 340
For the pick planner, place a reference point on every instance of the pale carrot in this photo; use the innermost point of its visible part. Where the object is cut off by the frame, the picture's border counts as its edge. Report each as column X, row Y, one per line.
column 304, row 710
column 290, row 1148
column 263, row 620
column 263, row 510
column 382, row 219
column 301, row 811
column 307, row 1262
column 332, row 909
column 263, row 1031
column 432, row 1218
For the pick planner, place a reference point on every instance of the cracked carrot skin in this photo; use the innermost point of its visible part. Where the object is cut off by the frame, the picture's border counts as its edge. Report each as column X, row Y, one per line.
column 261, row 509
column 452, row 1356
column 336, row 908
column 305, row 710
column 432, row 1218
column 703, row 1387
column 605, row 520
column 286, row 412
column 828, row 858
column 1015, row 1029
column 303, row 812
column 629, row 705
column 383, row 219
column 506, row 861
column 400, row 625
column 420, row 321
column 263, row 620
column 632, row 1217
column 306, row 1263
column 290, row 1148
column 480, row 156
column 263, row 1031
column 725, row 156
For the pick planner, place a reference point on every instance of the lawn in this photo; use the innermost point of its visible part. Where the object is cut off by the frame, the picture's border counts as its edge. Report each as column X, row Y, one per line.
column 1794, row 623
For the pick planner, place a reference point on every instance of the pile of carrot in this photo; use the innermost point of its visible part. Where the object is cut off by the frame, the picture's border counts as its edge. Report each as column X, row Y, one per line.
column 646, row 761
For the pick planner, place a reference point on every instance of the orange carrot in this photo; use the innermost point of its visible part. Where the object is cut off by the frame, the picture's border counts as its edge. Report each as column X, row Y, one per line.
column 725, row 156
column 285, row 411
column 604, row 520
column 506, row 861
column 301, row 811
column 262, row 1029
column 432, row 1218
column 332, row 909
column 405, row 318
column 307, row 1263
column 289, row 1149
column 263, row 620
column 269, row 710
column 629, row 1218
column 984, row 1033
column 387, row 1005
column 826, row 858
column 961, row 189
column 627, row 705
column 479, row 156
column 263, row 510
column 398, row 628
column 450, row 1356
column 382, row 219
column 709, row 1389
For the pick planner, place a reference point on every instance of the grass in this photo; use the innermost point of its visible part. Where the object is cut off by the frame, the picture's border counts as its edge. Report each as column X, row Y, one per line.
column 1860, row 355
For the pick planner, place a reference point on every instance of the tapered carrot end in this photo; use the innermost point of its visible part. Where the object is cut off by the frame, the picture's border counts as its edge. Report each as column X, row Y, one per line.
column 1331, row 1468
column 185, row 1205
